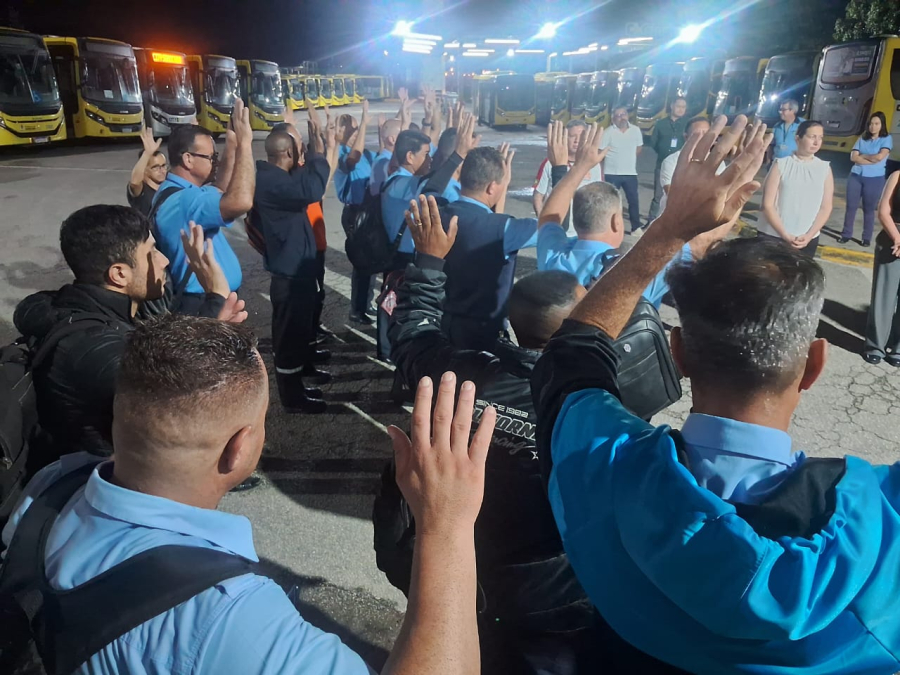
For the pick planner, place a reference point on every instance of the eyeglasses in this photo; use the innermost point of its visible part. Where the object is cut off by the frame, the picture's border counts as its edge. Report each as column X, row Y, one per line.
column 159, row 166
column 212, row 158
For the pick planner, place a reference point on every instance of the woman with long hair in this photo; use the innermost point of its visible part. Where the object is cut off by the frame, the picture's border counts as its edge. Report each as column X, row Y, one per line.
column 866, row 179
column 883, row 325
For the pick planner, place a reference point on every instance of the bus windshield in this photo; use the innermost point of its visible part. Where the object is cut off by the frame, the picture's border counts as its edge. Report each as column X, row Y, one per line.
column 653, row 94
column 694, row 88
column 512, row 95
column 628, row 91
column 312, row 89
column 850, row 64
column 221, row 86
column 267, row 89
column 298, row 90
column 172, row 86
column 736, row 94
column 327, row 88
column 109, row 79
column 560, row 95
column 779, row 85
column 580, row 97
column 600, row 95
column 26, row 77
column 339, row 88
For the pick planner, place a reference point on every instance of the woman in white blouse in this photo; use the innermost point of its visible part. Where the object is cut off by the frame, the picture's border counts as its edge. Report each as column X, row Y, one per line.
column 798, row 193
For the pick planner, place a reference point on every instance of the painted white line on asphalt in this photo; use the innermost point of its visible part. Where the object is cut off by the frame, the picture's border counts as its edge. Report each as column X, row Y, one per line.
column 266, row 297
column 367, row 338
column 365, row 416
column 408, row 408
column 386, row 366
column 60, row 168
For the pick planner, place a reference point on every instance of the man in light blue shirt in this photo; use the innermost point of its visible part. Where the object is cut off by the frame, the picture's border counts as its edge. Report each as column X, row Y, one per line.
column 597, row 218
column 354, row 170
column 413, row 159
column 718, row 550
column 189, row 196
column 784, row 141
column 189, row 425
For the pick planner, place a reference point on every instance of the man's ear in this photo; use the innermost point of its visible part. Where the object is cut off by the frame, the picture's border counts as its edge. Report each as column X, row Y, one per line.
column 677, row 343
column 815, row 363
column 119, row 275
column 617, row 222
column 234, row 455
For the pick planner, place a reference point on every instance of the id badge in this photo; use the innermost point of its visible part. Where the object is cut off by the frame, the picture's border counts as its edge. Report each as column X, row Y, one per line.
column 674, row 144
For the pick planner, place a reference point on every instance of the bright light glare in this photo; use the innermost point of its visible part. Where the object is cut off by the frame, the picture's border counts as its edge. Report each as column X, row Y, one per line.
column 548, row 30
column 689, row 34
column 416, row 49
column 510, row 52
column 469, row 45
column 475, row 54
column 604, row 48
column 417, row 41
column 496, row 41
column 531, row 51
column 402, row 28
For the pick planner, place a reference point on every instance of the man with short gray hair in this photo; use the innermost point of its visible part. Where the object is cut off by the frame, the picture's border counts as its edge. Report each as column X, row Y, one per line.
column 784, row 134
column 597, row 216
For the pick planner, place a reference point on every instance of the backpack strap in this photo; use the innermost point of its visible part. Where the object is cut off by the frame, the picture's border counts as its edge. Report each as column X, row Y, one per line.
column 71, row 626
column 62, row 330
column 157, row 203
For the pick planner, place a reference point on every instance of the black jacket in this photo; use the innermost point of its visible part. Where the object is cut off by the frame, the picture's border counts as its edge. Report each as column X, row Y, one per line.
column 76, row 384
column 279, row 211
column 523, row 573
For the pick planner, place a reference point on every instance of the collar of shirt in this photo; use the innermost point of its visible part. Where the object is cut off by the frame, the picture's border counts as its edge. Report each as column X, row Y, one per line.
column 730, row 457
column 591, row 246
column 402, row 171
column 176, row 180
column 469, row 200
column 225, row 530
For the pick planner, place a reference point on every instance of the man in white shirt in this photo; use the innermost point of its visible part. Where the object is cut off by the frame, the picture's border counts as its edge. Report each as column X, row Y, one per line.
column 543, row 185
column 667, row 168
column 624, row 141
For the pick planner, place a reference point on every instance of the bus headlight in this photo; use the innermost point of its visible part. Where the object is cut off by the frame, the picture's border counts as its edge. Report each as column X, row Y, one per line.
column 260, row 115
column 2, row 123
column 94, row 116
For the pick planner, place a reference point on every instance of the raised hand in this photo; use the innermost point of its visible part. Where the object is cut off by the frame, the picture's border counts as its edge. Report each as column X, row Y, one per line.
column 441, row 474
column 508, row 155
column 403, row 94
column 589, row 154
column 288, row 114
column 699, row 200
column 424, row 223
column 202, row 260
column 466, row 140
column 311, row 111
column 150, row 146
column 233, row 310
column 316, row 138
column 240, row 122
column 364, row 118
column 557, row 144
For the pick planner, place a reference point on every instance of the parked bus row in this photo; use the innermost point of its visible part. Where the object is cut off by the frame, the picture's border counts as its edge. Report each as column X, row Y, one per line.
column 53, row 88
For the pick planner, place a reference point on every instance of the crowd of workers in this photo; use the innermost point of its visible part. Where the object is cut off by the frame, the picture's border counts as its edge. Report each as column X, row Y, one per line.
column 536, row 523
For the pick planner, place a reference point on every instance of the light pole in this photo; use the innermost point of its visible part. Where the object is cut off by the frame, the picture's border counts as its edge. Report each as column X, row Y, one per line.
column 550, row 58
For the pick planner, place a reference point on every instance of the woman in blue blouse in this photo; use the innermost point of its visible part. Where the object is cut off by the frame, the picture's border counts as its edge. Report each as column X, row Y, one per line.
column 866, row 180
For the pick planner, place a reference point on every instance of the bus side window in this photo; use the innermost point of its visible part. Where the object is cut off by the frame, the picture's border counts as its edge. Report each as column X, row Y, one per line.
column 895, row 75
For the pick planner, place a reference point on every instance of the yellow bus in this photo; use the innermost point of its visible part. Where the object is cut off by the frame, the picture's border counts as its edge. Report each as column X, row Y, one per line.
column 214, row 79
column 791, row 75
column 326, row 90
column 561, row 103
column 352, row 85
column 293, row 88
column 544, row 84
column 260, row 85
column 98, row 84
column 699, row 85
column 658, row 91
column 166, row 90
column 340, row 91
column 601, row 96
column 313, row 92
column 31, row 110
column 741, row 82
column 372, row 87
column 580, row 95
column 629, row 90
column 505, row 99
column 855, row 80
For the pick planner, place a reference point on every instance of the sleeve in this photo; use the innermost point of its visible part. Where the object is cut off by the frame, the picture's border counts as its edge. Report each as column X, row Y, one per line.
column 654, row 138
column 262, row 633
column 577, row 357
column 639, row 135
column 856, row 145
column 604, row 142
column 667, row 169
column 203, row 207
column 552, row 248
column 519, row 233
column 440, row 179
column 557, row 173
column 542, row 183
column 307, row 184
column 887, row 142
column 212, row 305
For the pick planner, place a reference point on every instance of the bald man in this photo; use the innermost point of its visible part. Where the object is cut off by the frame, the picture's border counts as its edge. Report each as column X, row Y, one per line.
column 284, row 191
column 381, row 166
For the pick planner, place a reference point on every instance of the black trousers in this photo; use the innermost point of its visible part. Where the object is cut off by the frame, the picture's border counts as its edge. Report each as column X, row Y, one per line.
column 320, row 282
column 629, row 185
column 294, row 302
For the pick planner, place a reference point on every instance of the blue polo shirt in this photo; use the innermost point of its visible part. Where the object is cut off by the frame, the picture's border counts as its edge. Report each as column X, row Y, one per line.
column 588, row 259
column 200, row 204
column 872, row 147
column 395, row 203
column 518, row 233
column 453, row 191
column 350, row 185
column 380, row 166
column 785, row 140
column 242, row 625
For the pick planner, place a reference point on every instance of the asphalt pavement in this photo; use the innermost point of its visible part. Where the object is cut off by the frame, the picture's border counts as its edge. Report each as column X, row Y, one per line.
column 312, row 516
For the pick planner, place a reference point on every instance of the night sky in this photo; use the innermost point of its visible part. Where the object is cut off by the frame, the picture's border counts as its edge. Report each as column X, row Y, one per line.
column 353, row 32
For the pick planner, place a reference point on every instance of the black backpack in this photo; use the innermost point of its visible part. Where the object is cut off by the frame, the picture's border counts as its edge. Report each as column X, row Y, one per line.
column 19, row 431
column 44, row 631
column 648, row 379
column 171, row 293
column 368, row 246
